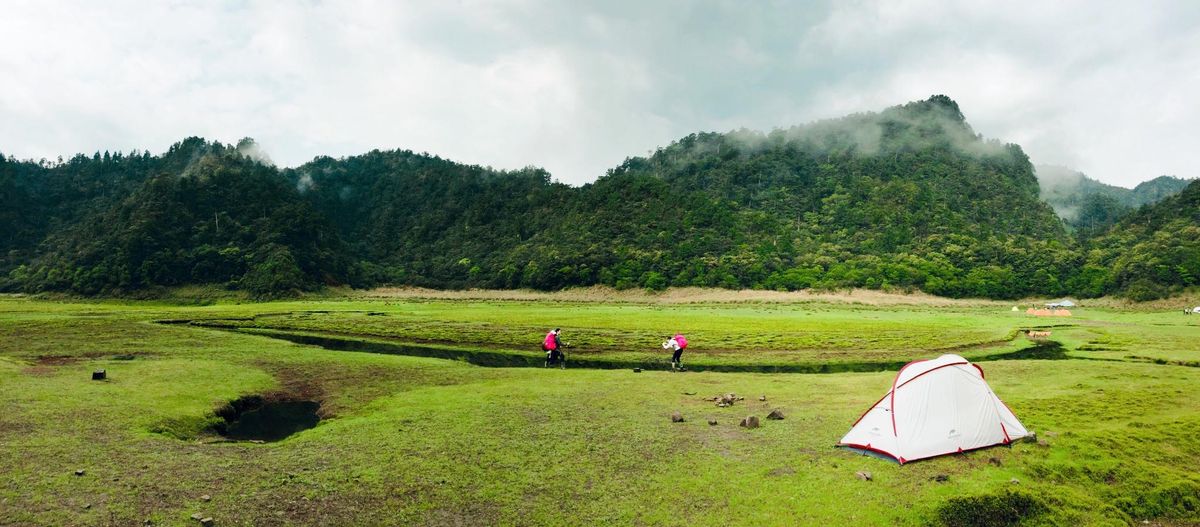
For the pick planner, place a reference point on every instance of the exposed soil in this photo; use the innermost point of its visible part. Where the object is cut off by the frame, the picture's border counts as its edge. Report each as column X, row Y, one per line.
column 264, row 418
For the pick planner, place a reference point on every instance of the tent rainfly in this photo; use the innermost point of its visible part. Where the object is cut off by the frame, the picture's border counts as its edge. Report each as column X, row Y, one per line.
column 935, row 407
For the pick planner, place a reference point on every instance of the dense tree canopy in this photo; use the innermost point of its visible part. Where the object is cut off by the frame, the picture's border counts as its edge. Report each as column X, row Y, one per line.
column 907, row 198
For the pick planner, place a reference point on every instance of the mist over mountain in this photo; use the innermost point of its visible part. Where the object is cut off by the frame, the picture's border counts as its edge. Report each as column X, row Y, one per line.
column 1092, row 207
column 906, row 198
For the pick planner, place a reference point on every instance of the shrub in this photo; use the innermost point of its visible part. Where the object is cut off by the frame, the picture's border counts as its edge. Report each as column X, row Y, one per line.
column 990, row 510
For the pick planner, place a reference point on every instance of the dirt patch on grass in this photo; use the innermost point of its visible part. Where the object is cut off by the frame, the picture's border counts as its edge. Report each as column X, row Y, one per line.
column 14, row 429
column 45, row 365
column 48, row 360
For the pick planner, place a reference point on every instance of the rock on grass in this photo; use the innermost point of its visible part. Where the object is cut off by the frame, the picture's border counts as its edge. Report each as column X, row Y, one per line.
column 676, row 417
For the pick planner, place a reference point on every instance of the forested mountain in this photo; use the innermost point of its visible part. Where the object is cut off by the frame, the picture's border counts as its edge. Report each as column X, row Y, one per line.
column 1151, row 253
column 1091, row 207
column 909, row 198
column 201, row 213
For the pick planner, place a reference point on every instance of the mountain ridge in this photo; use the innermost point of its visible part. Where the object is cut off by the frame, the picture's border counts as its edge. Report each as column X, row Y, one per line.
column 906, row 198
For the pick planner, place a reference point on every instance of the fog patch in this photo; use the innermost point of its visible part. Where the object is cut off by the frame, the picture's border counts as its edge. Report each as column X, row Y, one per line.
column 936, row 122
column 250, row 148
column 304, row 183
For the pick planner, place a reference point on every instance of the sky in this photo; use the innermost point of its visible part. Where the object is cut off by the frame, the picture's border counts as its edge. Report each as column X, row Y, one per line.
column 1108, row 88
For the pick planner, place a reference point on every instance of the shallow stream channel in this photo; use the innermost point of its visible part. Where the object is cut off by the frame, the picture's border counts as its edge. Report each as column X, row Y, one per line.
column 1038, row 350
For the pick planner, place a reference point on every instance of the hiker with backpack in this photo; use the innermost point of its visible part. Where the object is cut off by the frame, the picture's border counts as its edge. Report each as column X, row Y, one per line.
column 677, row 343
column 553, row 348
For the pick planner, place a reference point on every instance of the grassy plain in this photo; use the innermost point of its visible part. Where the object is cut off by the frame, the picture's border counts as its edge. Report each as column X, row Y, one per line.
column 411, row 440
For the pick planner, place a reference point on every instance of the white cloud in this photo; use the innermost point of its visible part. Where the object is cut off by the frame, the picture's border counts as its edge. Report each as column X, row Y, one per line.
column 575, row 88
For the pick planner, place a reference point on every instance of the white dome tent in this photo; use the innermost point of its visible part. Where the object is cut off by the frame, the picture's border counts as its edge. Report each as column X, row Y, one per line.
column 935, row 407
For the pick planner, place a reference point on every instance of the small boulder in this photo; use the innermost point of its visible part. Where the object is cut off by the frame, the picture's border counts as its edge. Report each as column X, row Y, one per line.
column 197, row 516
column 863, row 475
column 80, row 472
column 775, row 415
column 994, row 461
column 1043, row 443
column 637, row 370
column 676, row 417
column 762, row 398
column 206, row 522
column 206, row 497
column 712, row 422
column 749, row 422
column 87, row 506
column 99, row 375
column 1015, row 481
column 941, row 478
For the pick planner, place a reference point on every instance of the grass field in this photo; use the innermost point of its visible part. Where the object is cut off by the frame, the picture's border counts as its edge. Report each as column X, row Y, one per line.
column 411, row 440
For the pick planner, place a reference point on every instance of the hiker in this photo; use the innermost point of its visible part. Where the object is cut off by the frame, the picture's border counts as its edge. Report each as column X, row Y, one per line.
column 677, row 343
column 553, row 348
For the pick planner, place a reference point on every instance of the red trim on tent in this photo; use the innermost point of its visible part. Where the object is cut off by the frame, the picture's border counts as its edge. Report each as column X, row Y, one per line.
column 873, row 449
column 894, row 387
column 869, row 408
column 1005, row 405
column 933, row 369
column 892, row 403
column 902, row 460
column 1007, row 440
column 981, row 375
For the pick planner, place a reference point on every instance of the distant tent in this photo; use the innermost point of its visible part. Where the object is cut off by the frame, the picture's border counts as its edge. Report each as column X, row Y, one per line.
column 1061, row 303
column 935, row 407
column 1015, row 308
column 1196, row 309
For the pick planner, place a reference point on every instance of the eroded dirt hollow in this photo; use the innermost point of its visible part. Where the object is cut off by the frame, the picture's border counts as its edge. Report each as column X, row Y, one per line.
column 266, row 418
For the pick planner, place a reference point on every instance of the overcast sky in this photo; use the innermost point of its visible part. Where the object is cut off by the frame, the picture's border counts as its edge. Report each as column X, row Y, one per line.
column 1109, row 88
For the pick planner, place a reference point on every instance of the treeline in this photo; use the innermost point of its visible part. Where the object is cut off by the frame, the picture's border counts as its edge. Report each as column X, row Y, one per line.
column 908, row 198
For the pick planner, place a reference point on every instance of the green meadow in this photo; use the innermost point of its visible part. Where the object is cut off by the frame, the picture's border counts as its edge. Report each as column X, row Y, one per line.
column 418, row 440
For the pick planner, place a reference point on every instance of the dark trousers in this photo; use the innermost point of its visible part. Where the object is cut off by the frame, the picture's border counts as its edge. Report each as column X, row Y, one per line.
column 675, row 357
